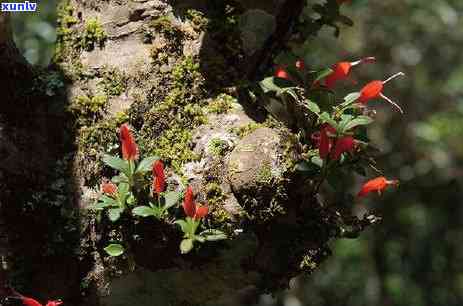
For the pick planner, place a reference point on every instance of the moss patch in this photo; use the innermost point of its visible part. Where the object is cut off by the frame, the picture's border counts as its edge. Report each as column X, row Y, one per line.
column 217, row 147
column 247, row 129
column 93, row 35
column 87, row 109
column 114, row 82
column 222, row 104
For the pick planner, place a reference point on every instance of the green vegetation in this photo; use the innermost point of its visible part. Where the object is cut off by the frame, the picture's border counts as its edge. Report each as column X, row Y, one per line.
column 222, row 104
column 93, row 35
column 113, row 82
column 217, row 147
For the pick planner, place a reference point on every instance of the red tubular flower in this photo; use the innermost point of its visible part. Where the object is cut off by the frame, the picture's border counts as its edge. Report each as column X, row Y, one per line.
column 300, row 64
column 159, row 183
column 281, row 73
column 341, row 70
column 27, row 301
column 129, row 146
column 326, row 142
column 374, row 90
column 343, row 144
column 377, row 184
column 201, row 212
column 54, row 303
column 192, row 209
column 188, row 203
column 109, row 188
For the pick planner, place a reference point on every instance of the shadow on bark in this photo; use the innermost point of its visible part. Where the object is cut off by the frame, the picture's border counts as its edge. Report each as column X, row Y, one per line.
column 39, row 216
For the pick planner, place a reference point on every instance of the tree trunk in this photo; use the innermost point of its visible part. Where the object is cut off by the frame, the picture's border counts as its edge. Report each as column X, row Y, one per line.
column 178, row 73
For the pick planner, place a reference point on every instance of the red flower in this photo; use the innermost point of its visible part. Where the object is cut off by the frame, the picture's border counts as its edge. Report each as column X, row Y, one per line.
column 326, row 142
column 201, row 212
column 374, row 90
column 281, row 73
column 377, row 184
column 109, row 188
column 342, row 1
column 343, row 144
column 159, row 183
column 27, row 301
column 54, row 303
column 341, row 70
column 300, row 64
column 188, row 203
column 129, row 146
column 191, row 209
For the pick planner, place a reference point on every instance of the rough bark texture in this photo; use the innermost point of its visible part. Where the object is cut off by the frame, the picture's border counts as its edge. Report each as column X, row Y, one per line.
column 173, row 70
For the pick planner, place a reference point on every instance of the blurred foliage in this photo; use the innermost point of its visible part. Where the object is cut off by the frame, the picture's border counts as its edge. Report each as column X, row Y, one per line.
column 35, row 32
column 414, row 257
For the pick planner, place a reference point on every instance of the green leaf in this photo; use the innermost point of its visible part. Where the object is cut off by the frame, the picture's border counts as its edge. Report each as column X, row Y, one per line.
column 123, row 192
column 116, row 163
column 131, row 199
column 121, row 178
column 316, row 160
column 290, row 91
column 114, row 214
column 183, row 225
column 200, row 239
column 143, row 211
column 345, row 118
column 213, row 235
column 361, row 120
column 171, row 198
column 146, row 164
column 323, row 73
column 350, row 98
column 98, row 206
column 104, row 201
column 186, row 246
column 325, row 117
column 114, row 250
column 272, row 84
column 313, row 107
column 303, row 166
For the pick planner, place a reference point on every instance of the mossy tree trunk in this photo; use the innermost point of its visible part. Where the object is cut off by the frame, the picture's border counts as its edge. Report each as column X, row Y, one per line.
column 177, row 72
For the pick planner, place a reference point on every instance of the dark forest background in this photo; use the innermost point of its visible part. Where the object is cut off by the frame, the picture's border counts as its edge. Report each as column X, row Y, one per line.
column 414, row 258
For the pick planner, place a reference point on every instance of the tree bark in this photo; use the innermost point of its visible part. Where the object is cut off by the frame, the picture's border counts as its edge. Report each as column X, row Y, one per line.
column 175, row 71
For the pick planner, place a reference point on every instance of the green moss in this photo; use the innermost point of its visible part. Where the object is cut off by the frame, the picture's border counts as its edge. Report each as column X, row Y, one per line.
column 197, row 18
column 222, row 104
column 93, row 35
column 87, row 109
column 93, row 141
column 65, row 33
column 186, row 72
column 214, row 194
column 217, row 146
column 247, row 129
column 264, row 175
column 163, row 24
column 289, row 152
column 70, row 41
column 173, row 146
column 113, row 81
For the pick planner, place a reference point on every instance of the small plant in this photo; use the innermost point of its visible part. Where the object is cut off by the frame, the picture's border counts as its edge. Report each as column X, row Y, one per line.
column 128, row 189
column 195, row 213
column 93, row 34
column 339, row 141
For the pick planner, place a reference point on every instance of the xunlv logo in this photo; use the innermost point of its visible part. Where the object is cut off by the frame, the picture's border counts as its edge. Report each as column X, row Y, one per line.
column 25, row 6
